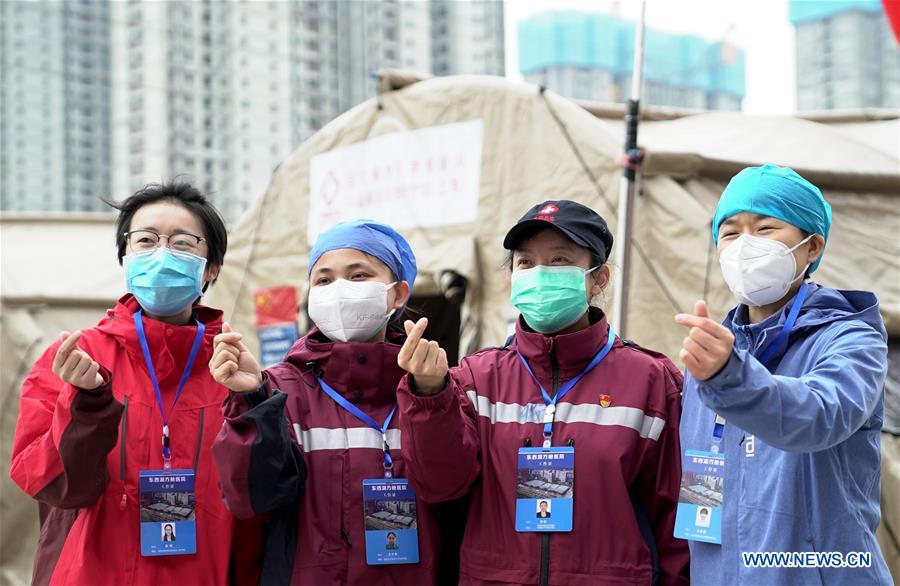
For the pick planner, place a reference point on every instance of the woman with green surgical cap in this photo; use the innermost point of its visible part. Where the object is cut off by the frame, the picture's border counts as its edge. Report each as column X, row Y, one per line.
column 565, row 439
column 783, row 402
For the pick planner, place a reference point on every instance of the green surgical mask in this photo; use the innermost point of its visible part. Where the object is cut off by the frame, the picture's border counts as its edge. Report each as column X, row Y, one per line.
column 550, row 298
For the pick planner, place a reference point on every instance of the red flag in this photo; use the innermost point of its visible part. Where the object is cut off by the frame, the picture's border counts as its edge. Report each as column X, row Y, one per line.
column 276, row 305
column 892, row 12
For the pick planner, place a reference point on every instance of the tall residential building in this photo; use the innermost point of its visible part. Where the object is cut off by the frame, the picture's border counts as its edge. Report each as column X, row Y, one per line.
column 54, row 105
column 98, row 98
column 337, row 46
column 846, row 54
column 203, row 92
column 223, row 91
column 467, row 37
column 590, row 56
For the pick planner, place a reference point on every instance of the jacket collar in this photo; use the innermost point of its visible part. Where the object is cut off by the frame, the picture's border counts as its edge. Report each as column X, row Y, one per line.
column 822, row 306
column 169, row 345
column 573, row 351
column 364, row 372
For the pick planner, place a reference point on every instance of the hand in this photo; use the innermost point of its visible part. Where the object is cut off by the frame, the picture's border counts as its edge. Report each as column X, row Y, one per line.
column 425, row 360
column 74, row 366
column 232, row 365
column 708, row 345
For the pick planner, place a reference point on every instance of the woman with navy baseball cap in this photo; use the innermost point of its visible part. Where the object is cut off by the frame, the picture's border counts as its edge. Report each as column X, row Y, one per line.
column 786, row 394
column 566, row 439
column 313, row 441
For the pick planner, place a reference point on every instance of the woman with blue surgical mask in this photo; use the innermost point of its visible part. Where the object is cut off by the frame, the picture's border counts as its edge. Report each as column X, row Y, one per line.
column 314, row 442
column 783, row 401
column 565, row 439
column 110, row 413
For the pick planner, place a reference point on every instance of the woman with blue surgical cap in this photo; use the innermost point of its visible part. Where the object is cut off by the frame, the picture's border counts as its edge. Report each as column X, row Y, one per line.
column 313, row 442
column 783, row 401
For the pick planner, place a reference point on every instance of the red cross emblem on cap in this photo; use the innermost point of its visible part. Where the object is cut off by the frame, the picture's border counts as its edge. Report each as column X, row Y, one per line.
column 548, row 209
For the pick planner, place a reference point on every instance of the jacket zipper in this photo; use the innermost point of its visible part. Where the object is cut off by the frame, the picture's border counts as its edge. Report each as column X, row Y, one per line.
column 122, row 443
column 545, row 537
column 199, row 441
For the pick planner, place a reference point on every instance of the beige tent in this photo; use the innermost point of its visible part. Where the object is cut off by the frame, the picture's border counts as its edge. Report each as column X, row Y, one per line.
column 60, row 273
column 537, row 145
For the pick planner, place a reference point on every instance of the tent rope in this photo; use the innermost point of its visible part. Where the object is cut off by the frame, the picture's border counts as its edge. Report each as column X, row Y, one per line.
column 654, row 272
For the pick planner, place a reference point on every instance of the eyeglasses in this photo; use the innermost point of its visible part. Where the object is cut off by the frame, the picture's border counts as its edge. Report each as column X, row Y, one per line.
column 142, row 240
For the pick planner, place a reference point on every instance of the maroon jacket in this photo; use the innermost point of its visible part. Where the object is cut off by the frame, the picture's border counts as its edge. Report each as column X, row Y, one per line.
column 274, row 437
column 627, row 470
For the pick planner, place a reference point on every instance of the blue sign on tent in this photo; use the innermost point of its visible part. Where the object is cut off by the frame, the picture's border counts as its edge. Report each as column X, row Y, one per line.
column 274, row 342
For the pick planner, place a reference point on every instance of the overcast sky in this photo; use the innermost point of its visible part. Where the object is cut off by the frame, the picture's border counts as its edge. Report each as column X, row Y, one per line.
column 760, row 27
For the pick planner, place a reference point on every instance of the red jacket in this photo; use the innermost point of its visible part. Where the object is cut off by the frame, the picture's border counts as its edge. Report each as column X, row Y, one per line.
column 627, row 471
column 273, row 437
column 79, row 453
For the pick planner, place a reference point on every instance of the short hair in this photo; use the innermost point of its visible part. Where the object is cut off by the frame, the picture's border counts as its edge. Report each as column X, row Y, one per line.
column 704, row 510
column 544, row 503
column 391, row 533
column 185, row 195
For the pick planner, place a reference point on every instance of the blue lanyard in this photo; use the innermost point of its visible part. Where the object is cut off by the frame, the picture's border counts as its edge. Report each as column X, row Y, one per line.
column 142, row 338
column 551, row 402
column 768, row 353
column 789, row 322
column 365, row 418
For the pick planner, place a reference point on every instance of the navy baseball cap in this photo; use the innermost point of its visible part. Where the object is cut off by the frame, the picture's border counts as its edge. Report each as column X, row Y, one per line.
column 578, row 223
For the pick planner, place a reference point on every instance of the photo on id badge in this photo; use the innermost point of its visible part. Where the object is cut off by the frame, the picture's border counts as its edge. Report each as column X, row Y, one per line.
column 390, row 513
column 545, row 489
column 699, row 515
column 168, row 525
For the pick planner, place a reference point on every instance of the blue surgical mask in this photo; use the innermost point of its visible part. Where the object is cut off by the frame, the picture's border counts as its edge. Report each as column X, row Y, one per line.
column 163, row 281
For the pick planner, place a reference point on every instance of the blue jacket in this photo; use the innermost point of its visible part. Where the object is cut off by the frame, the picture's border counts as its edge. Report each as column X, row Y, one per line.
column 802, row 442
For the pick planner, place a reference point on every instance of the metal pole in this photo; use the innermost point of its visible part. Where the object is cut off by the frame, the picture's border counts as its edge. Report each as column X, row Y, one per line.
column 627, row 187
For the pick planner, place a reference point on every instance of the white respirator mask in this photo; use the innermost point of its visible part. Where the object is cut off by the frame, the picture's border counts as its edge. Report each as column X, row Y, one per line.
column 760, row 271
column 350, row 311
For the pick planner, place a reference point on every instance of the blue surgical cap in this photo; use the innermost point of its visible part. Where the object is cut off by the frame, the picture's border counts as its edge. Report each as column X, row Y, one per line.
column 777, row 192
column 374, row 238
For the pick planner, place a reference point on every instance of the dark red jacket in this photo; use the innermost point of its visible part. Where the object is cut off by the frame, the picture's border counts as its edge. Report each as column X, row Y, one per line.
column 79, row 453
column 273, row 438
column 627, row 471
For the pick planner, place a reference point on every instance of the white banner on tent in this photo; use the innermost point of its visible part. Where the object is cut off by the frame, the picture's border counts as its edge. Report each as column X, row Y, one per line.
column 418, row 178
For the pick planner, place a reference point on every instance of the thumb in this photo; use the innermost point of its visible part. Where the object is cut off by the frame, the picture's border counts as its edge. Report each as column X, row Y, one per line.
column 408, row 325
column 226, row 328
column 700, row 309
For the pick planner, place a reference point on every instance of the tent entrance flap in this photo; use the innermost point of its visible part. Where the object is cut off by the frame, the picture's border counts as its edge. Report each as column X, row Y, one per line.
column 444, row 319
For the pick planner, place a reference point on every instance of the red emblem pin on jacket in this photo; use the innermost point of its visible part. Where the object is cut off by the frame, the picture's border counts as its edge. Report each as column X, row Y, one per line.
column 605, row 401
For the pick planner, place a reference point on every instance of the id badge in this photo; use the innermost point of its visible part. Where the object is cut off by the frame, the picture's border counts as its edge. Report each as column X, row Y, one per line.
column 168, row 525
column 699, row 516
column 392, row 529
column 545, row 489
